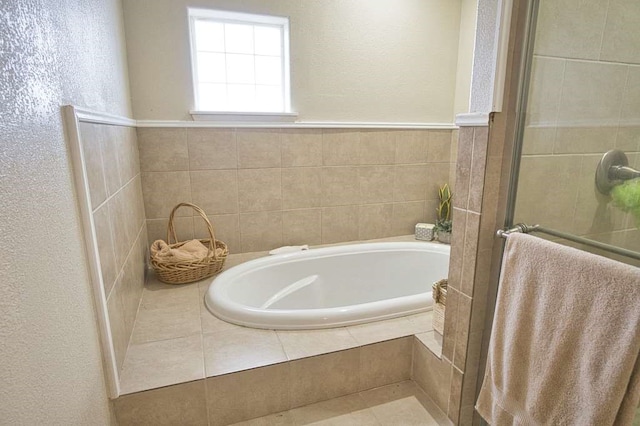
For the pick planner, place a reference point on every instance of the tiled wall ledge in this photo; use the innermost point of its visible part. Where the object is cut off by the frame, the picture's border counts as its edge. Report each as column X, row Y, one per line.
column 237, row 397
column 297, row 125
column 264, row 188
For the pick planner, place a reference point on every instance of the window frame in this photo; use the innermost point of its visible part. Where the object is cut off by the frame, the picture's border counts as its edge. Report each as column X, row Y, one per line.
column 224, row 16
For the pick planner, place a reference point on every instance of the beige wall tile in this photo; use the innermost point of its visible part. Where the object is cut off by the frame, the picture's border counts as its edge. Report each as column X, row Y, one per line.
column 211, row 149
column 241, row 349
column 132, row 282
column 579, row 140
column 90, row 135
column 463, row 317
column 123, row 226
column 347, row 410
column 301, row 147
column 472, row 232
column 478, row 168
column 376, row 184
column 405, row 216
column 249, row 394
column 450, row 323
column 126, row 144
column 259, row 190
column 323, row 377
column 410, row 183
column 119, row 335
column 538, row 140
column 377, row 147
column 109, row 151
column 432, row 374
column 457, row 247
column 301, row 227
column 301, row 187
column 215, row 191
column 340, row 186
column 385, row 363
column 438, row 175
column 570, row 29
column 463, row 167
column 592, row 92
column 431, row 211
column 375, row 221
column 453, row 410
column 105, row 247
column 226, row 228
column 157, row 229
column 537, row 175
column 306, row 343
column 340, row 224
column 258, row 148
column 439, row 146
column 260, row 231
column 180, row 404
column 630, row 112
column 164, row 190
column 621, row 41
column 411, row 146
column 384, row 330
column 163, row 363
column 545, row 90
column 163, row 149
column 628, row 138
column 340, row 147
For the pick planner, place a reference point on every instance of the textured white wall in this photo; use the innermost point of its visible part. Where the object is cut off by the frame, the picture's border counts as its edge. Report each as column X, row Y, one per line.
column 52, row 53
column 484, row 60
column 352, row 60
column 468, row 14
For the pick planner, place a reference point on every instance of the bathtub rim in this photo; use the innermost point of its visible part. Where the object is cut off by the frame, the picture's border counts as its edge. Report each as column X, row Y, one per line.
column 310, row 319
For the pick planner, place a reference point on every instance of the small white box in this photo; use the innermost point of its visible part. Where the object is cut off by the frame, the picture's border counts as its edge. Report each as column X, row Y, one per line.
column 424, row 231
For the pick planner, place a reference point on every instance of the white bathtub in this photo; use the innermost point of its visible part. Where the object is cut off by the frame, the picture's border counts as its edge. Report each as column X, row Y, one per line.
column 330, row 287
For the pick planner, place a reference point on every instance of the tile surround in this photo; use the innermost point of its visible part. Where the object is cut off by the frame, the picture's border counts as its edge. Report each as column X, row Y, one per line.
column 347, row 175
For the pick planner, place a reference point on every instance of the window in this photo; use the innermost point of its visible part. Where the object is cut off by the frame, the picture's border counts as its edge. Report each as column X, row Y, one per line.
column 240, row 61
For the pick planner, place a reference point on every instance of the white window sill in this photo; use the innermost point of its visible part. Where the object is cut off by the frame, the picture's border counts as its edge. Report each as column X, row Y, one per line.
column 244, row 117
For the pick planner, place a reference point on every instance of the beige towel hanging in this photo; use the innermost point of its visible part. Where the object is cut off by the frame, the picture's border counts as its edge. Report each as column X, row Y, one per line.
column 565, row 339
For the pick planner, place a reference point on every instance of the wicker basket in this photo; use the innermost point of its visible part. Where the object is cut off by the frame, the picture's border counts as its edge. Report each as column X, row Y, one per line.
column 439, row 302
column 183, row 272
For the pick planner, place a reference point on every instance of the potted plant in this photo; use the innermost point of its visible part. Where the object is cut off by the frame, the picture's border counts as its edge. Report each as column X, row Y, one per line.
column 443, row 223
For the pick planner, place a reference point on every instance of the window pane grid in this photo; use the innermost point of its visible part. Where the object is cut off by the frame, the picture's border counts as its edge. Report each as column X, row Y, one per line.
column 249, row 68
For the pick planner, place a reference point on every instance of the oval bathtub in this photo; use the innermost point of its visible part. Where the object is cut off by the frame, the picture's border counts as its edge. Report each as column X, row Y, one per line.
column 330, row 287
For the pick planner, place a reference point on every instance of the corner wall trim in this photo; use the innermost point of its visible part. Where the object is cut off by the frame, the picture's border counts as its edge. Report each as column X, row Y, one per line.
column 473, row 119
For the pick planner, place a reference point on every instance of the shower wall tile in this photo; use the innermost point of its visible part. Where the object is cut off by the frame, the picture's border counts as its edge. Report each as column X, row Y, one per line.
column 215, row 191
column 301, row 227
column 591, row 93
column 163, row 190
column 231, row 171
column 570, row 28
column 258, row 148
column 301, row 187
column 628, row 138
column 377, row 147
column 212, row 149
column 259, row 190
column 163, row 149
column 582, row 140
column 340, row 147
column 631, row 103
column 301, row 147
column 545, row 90
column 621, row 41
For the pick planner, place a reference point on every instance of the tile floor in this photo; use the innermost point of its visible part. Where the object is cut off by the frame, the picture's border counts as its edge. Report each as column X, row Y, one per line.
column 176, row 339
column 398, row 404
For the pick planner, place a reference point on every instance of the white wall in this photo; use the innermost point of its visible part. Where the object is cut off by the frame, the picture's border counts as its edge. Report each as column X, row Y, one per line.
column 53, row 53
column 464, row 68
column 352, row 60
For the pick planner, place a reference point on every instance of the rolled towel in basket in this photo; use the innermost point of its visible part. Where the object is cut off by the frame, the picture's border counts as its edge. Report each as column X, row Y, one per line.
column 192, row 250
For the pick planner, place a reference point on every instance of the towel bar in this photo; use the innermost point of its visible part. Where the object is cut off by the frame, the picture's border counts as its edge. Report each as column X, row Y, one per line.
column 526, row 229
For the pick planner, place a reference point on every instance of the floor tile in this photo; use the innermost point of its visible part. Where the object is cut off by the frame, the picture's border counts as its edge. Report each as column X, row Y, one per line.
column 241, row 349
column 347, row 410
column 163, row 363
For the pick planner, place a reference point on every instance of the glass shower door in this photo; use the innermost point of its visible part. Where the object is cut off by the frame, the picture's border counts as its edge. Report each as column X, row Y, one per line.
column 583, row 101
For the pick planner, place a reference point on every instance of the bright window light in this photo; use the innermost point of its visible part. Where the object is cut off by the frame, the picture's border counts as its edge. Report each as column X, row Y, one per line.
column 240, row 61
